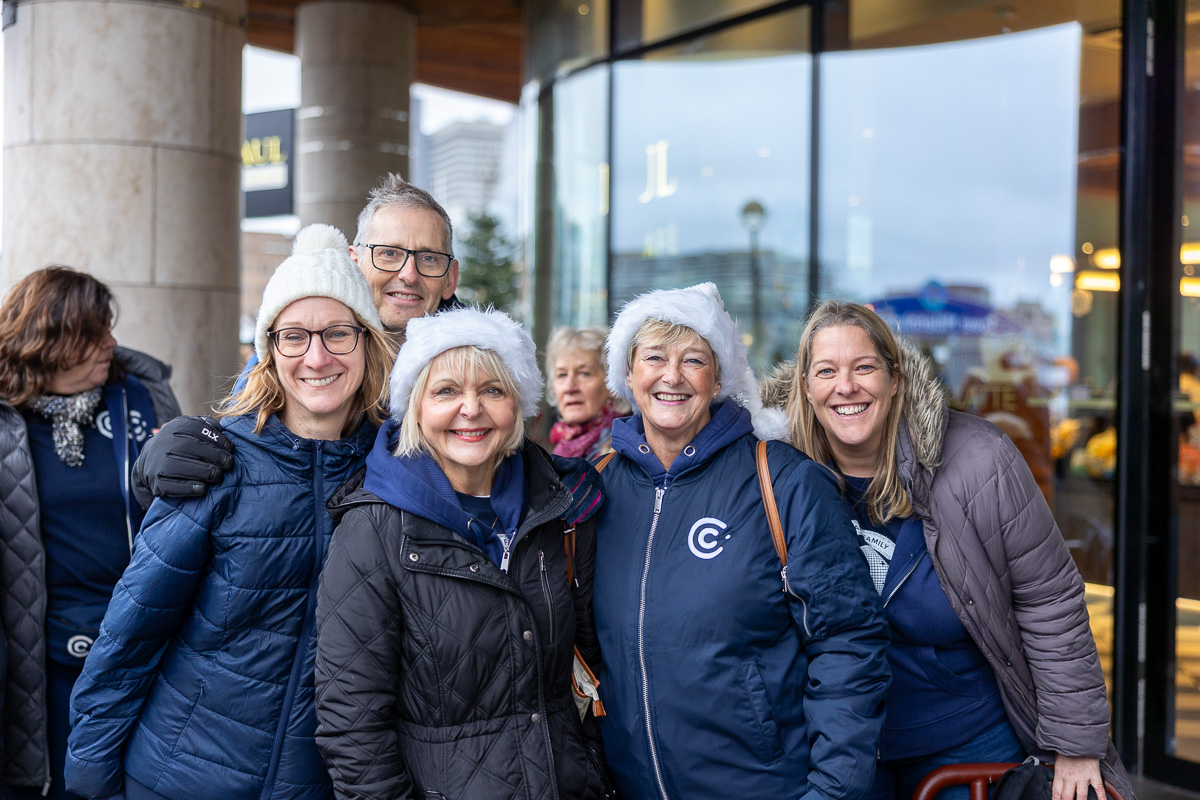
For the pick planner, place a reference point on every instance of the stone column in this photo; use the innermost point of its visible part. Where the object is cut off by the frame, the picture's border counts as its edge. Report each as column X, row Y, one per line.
column 122, row 132
column 357, row 60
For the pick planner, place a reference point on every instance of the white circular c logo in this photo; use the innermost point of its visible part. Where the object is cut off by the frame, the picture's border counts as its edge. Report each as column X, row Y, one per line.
column 79, row 646
column 703, row 537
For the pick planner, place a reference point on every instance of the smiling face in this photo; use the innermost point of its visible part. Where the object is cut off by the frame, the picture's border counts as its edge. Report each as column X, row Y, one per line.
column 91, row 372
column 851, row 390
column 673, row 385
column 467, row 419
column 319, row 387
column 404, row 295
column 579, row 390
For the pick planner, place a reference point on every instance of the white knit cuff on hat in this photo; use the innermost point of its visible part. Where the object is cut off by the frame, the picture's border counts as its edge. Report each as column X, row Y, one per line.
column 319, row 266
column 428, row 337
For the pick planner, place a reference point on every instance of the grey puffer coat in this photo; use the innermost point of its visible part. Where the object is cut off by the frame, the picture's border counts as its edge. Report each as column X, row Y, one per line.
column 23, row 583
column 1006, row 570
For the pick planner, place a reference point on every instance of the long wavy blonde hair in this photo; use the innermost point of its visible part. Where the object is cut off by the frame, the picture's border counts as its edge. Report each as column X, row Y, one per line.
column 886, row 498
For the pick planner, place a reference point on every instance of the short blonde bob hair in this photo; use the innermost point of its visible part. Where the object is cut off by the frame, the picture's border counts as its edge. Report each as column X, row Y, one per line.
column 263, row 394
column 886, row 498
column 461, row 362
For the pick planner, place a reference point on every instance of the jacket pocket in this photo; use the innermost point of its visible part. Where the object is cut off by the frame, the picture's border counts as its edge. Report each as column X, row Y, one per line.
column 545, row 578
column 770, row 744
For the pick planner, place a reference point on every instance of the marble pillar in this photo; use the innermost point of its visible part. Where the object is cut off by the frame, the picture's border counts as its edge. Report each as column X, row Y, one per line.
column 357, row 60
column 122, row 133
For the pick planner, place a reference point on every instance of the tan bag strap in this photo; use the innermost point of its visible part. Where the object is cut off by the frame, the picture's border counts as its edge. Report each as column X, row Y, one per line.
column 603, row 462
column 768, row 498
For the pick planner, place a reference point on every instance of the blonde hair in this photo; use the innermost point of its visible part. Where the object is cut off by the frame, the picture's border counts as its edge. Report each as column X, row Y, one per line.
column 886, row 498
column 263, row 393
column 461, row 362
column 660, row 333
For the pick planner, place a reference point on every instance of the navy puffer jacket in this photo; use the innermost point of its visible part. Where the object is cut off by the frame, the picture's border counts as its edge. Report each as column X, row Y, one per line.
column 201, row 683
column 717, row 682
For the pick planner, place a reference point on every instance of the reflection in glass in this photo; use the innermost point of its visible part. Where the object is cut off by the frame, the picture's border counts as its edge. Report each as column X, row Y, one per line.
column 1183, row 731
column 568, row 33
column 581, row 198
column 969, row 191
column 711, row 176
column 647, row 21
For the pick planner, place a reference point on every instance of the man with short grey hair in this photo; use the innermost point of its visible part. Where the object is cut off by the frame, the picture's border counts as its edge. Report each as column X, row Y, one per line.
column 404, row 247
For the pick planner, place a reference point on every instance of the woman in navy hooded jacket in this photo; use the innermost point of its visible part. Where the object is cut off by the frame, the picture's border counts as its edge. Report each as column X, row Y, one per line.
column 723, row 675
column 201, row 682
column 454, row 598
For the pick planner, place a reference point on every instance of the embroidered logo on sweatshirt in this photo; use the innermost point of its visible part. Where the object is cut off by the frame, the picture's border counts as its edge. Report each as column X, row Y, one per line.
column 705, row 537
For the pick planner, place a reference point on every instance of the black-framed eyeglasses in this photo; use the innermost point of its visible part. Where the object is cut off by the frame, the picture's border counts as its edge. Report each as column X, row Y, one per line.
column 294, row 342
column 390, row 258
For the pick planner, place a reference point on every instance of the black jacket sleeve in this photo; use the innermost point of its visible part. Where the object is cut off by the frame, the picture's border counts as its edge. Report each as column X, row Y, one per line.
column 359, row 630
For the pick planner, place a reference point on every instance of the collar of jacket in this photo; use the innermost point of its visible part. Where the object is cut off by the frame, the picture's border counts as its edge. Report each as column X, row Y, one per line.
column 294, row 453
column 729, row 422
column 525, row 492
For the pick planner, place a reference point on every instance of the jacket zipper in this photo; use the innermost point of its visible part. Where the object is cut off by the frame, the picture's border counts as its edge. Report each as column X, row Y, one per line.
column 658, row 777
column 546, row 592
column 787, row 587
column 306, row 631
column 125, row 465
column 911, row 570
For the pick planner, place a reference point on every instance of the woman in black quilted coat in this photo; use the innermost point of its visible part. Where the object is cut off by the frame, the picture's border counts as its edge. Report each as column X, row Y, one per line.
column 453, row 598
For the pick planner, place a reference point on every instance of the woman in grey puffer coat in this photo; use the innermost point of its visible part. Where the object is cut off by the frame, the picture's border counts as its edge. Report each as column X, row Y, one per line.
column 992, row 656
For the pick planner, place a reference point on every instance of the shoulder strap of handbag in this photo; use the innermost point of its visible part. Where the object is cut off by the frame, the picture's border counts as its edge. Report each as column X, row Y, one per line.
column 768, row 498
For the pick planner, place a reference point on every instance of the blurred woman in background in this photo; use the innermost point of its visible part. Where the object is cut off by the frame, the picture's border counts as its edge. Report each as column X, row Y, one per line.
column 586, row 409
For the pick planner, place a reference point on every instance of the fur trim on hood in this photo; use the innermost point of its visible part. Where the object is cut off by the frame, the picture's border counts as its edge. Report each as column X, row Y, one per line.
column 428, row 337
column 700, row 308
column 924, row 401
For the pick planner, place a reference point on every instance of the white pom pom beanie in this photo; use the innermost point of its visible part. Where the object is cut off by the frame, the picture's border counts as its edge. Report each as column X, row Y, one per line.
column 701, row 309
column 319, row 266
column 428, row 337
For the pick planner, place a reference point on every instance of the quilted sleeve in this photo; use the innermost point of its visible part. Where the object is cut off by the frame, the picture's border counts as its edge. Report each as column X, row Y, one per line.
column 358, row 652
column 147, row 608
column 1050, row 610
column 845, row 633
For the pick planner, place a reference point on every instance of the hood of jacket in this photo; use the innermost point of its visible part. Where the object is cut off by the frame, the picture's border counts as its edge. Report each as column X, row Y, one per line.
column 416, row 484
column 729, row 422
column 923, row 428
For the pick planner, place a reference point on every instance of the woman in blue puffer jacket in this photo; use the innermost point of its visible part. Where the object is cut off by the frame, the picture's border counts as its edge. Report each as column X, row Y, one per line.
column 201, row 682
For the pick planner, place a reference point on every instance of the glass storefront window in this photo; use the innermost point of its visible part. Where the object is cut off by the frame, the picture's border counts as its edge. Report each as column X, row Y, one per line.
column 1183, row 706
column 648, row 21
column 581, row 199
column 568, row 33
column 969, row 191
column 711, row 177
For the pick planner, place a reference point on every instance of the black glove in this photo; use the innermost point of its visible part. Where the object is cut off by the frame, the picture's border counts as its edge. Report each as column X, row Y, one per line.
column 183, row 459
column 584, row 482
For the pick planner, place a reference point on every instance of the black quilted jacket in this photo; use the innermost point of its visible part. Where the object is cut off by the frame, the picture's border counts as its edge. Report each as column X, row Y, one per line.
column 438, row 675
column 24, row 753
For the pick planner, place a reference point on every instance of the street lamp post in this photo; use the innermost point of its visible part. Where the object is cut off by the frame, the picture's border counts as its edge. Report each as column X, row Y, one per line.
column 753, row 216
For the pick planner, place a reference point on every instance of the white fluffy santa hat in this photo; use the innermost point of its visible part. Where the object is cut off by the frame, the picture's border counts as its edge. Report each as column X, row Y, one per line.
column 701, row 309
column 426, row 338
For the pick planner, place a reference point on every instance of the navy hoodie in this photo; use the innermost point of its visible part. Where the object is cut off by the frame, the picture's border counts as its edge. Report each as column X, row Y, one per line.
column 417, row 485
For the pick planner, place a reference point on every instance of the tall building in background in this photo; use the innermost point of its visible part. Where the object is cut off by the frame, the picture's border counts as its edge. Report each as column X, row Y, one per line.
column 464, row 167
